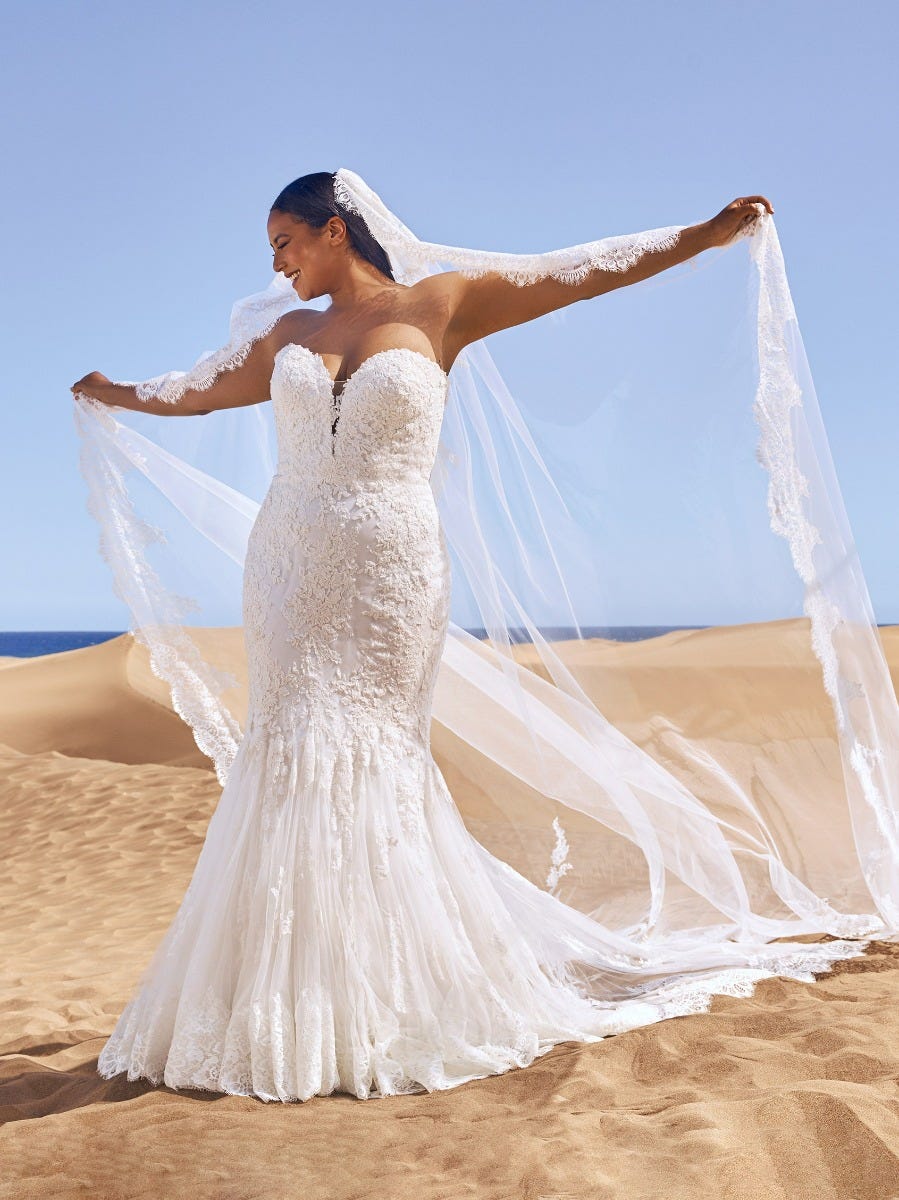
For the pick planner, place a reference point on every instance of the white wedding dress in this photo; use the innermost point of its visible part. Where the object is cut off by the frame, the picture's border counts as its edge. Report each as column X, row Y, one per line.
column 343, row 930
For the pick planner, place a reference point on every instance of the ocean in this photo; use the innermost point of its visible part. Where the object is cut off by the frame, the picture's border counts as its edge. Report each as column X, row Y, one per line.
column 31, row 643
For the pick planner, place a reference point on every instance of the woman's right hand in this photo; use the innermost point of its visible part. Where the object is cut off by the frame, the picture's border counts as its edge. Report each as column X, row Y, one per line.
column 91, row 385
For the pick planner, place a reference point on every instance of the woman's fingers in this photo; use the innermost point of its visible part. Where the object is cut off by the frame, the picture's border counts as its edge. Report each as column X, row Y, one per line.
column 89, row 381
column 759, row 200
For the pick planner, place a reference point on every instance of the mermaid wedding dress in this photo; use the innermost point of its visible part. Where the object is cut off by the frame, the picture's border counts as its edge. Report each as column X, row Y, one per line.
column 354, row 925
column 343, row 930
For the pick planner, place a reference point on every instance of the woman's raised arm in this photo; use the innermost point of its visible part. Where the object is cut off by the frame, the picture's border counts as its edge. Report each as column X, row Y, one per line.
column 523, row 287
column 233, row 385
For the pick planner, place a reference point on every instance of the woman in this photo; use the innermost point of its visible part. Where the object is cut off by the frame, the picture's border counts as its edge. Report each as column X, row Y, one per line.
column 343, row 929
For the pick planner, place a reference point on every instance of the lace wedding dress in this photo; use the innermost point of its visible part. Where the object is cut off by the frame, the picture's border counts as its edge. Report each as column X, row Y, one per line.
column 343, row 930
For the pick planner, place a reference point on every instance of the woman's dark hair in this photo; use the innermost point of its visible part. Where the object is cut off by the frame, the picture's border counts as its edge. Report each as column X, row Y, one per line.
column 311, row 199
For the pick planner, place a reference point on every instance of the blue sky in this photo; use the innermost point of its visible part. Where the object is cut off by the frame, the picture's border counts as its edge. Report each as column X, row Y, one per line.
column 143, row 146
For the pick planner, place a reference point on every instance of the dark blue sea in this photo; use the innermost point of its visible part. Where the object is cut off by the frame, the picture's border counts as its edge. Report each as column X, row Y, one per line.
column 29, row 644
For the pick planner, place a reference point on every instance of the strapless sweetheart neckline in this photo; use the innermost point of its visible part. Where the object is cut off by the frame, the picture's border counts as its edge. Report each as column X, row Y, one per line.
column 317, row 358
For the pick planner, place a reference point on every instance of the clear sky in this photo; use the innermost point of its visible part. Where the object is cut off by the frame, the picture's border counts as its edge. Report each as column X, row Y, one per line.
column 143, row 145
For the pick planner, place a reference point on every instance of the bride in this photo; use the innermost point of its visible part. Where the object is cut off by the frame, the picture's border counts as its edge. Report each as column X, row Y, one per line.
column 344, row 930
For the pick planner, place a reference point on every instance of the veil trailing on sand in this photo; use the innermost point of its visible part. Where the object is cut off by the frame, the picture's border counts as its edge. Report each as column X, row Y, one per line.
column 730, row 779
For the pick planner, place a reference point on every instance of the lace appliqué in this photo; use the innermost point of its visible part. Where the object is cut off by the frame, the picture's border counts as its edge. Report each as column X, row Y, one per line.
column 571, row 264
column 778, row 394
column 196, row 685
column 347, row 581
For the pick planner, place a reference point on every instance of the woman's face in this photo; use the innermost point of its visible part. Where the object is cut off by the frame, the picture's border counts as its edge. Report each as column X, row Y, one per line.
column 303, row 254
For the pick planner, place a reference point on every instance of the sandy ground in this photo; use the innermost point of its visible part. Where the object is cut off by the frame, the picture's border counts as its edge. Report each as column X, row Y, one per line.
column 790, row 1094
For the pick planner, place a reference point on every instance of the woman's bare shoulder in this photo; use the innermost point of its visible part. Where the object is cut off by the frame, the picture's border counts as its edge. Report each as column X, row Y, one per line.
column 295, row 326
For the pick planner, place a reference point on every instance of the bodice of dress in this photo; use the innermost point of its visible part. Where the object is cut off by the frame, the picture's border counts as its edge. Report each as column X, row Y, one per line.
column 388, row 417
column 347, row 579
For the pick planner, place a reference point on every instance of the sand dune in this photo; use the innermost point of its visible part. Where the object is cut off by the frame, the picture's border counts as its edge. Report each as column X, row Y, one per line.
column 104, row 799
column 83, row 703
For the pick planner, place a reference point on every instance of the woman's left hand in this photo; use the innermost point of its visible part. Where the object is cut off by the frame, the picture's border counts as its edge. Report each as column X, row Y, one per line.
column 91, row 384
column 739, row 217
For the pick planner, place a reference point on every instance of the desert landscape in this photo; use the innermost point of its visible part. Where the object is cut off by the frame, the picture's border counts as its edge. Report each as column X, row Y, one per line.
column 104, row 799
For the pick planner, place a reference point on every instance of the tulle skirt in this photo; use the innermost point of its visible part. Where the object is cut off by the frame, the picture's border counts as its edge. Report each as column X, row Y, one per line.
column 344, row 931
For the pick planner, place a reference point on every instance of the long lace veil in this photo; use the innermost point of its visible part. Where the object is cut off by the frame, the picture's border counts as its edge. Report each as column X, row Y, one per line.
column 733, row 778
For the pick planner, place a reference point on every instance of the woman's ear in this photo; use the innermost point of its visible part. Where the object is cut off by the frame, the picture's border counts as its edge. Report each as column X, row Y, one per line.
column 336, row 228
